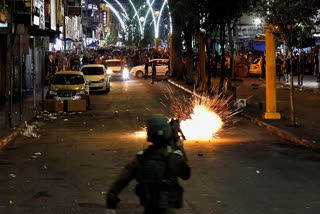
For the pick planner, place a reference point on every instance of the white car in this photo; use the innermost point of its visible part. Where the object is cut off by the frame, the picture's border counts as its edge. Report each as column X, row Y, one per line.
column 116, row 68
column 162, row 68
column 97, row 76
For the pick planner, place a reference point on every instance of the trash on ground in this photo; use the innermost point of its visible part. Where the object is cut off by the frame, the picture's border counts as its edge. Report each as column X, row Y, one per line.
column 200, row 154
column 30, row 131
column 53, row 118
column 65, row 120
column 44, row 166
column 257, row 171
column 241, row 103
column 37, row 153
column 12, row 176
column 11, row 202
column 34, row 157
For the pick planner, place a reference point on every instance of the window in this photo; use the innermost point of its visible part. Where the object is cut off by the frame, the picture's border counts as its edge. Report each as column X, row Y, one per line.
column 92, row 71
column 68, row 79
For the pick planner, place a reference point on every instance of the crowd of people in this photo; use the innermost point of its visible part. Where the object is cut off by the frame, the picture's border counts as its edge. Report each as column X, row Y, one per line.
column 74, row 61
column 303, row 63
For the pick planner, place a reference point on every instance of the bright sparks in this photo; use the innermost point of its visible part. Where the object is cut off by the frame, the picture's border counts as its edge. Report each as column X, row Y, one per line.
column 202, row 117
column 202, row 125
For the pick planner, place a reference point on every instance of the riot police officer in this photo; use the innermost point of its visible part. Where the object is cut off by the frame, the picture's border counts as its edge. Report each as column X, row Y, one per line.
column 156, row 170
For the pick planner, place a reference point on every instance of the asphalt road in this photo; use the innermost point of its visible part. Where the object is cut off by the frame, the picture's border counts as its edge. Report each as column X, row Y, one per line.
column 70, row 167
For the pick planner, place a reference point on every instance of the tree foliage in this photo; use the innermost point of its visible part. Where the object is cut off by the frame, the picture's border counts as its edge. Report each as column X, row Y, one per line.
column 293, row 20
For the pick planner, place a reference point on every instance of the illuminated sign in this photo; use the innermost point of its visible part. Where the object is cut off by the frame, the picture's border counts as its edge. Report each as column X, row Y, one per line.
column 42, row 18
column 35, row 20
column 104, row 18
column 53, row 24
column 38, row 17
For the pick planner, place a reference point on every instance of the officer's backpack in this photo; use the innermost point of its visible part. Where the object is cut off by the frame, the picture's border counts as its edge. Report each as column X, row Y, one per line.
column 155, row 188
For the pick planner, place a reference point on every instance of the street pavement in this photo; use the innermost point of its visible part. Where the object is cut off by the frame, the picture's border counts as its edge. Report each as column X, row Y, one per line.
column 245, row 170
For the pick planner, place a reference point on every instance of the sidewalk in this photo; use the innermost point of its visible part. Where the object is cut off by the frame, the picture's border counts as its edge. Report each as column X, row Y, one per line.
column 28, row 114
column 307, row 103
column 309, row 82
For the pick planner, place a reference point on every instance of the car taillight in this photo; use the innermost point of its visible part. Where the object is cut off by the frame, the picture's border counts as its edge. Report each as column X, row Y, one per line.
column 256, row 66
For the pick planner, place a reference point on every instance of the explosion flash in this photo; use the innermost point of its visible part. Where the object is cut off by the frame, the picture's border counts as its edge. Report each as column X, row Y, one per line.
column 202, row 117
column 202, row 125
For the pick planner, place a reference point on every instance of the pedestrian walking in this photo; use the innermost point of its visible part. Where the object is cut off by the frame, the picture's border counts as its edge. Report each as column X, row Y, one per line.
column 154, row 72
column 156, row 170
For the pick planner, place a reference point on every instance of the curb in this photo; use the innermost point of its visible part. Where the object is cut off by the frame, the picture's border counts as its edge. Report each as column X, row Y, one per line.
column 10, row 138
column 272, row 129
column 281, row 133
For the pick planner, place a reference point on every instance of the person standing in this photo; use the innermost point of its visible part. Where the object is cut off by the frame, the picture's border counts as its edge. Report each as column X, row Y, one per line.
column 156, row 170
column 85, row 60
column 146, row 67
column 154, row 72
column 278, row 66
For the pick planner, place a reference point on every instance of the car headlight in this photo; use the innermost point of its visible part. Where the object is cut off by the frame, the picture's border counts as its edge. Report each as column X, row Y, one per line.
column 109, row 72
column 53, row 93
column 125, row 73
column 101, row 81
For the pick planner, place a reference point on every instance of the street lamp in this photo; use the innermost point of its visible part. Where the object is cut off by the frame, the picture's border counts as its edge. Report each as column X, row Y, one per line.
column 156, row 12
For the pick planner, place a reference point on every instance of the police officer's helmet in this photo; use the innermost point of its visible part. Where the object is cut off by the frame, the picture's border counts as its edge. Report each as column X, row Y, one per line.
column 158, row 129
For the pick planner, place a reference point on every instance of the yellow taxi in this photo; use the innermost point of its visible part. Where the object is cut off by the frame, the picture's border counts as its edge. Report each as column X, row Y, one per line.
column 68, row 85
column 256, row 67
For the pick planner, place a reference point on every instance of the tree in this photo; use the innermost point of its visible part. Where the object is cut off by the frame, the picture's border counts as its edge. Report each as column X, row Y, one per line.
column 292, row 22
column 190, row 27
column 177, row 66
column 219, row 14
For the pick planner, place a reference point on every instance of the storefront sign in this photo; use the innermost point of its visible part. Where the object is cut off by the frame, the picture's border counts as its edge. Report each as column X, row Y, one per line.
column 249, row 31
column 47, row 10
column 53, row 23
column 42, row 19
column 38, row 17
column 35, row 18
column 60, row 12
column 104, row 18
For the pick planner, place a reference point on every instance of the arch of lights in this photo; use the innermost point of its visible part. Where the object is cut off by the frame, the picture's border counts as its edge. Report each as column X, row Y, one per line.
column 122, row 8
column 117, row 15
column 156, row 20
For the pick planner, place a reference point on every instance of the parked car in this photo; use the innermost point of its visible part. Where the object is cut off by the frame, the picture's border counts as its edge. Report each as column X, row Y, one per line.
column 162, row 68
column 68, row 85
column 116, row 68
column 256, row 67
column 97, row 76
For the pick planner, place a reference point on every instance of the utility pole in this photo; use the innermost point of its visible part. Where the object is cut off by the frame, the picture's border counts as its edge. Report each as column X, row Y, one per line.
column 271, row 98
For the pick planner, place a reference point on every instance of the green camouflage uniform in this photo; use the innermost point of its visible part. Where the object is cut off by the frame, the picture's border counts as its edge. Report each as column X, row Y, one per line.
column 176, row 166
